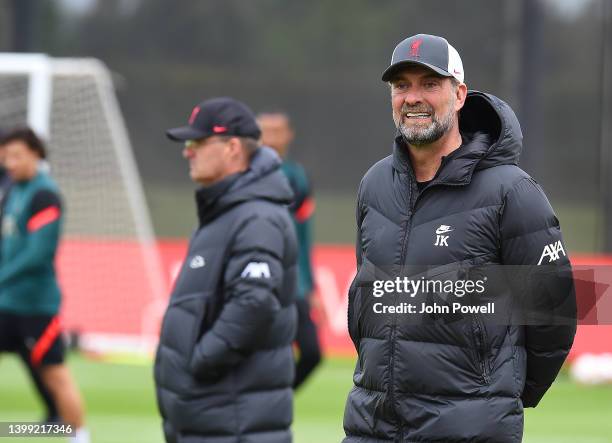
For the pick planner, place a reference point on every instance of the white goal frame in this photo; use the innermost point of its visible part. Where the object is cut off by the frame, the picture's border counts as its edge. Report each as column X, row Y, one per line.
column 40, row 69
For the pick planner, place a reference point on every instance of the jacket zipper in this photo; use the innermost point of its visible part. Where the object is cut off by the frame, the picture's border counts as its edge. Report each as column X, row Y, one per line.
column 391, row 370
column 411, row 209
column 481, row 340
column 412, row 204
column 394, row 324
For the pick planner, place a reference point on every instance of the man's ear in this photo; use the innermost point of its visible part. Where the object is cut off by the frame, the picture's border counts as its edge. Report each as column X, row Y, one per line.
column 461, row 95
column 235, row 147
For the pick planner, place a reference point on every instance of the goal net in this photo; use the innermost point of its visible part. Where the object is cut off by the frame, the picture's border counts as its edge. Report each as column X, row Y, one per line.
column 109, row 267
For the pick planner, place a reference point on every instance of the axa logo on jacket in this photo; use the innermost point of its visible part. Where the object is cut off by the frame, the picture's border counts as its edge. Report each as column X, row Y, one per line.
column 553, row 251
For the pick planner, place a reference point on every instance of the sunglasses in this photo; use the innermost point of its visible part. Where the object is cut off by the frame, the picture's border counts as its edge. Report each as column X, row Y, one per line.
column 196, row 144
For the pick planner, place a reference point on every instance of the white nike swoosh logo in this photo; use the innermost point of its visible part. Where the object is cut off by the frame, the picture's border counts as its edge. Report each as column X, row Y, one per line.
column 442, row 230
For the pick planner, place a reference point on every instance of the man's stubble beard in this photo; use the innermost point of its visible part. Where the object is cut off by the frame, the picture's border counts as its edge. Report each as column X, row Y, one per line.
column 421, row 136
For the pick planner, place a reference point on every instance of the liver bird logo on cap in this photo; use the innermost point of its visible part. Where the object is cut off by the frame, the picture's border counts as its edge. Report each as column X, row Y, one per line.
column 194, row 114
column 415, row 47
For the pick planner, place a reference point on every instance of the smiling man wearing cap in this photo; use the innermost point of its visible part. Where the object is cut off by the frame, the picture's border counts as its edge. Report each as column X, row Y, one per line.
column 451, row 202
column 224, row 367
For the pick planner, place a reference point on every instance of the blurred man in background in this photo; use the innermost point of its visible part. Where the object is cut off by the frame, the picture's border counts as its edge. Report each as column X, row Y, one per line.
column 5, row 178
column 224, row 367
column 29, row 293
column 449, row 201
column 276, row 132
column 52, row 414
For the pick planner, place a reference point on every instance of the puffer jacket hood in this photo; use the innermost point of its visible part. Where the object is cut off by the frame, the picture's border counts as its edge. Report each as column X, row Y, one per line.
column 488, row 115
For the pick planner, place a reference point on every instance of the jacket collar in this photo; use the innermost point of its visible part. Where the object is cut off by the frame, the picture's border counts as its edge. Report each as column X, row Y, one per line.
column 456, row 168
column 207, row 196
column 263, row 180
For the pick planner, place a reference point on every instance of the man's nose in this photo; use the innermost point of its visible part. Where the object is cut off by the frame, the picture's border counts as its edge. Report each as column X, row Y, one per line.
column 413, row 97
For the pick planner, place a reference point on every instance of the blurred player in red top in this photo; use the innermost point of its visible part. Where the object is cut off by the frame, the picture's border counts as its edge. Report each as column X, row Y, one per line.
column 29, row 294
column 52, row 415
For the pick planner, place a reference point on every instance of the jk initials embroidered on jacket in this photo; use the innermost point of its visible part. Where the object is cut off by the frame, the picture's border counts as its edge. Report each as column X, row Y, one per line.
column 256, row 270
column 442, row 240
column 552, row 251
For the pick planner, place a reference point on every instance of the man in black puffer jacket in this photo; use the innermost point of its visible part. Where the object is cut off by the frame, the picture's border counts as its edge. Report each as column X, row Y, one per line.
column 451, row 203
column 224, row 368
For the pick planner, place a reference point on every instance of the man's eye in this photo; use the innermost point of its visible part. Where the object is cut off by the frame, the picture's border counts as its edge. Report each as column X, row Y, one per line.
column 431, row 84
column 400, row 86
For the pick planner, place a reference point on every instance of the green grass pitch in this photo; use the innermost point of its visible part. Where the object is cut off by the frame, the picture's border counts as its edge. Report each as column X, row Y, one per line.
column 121, row 405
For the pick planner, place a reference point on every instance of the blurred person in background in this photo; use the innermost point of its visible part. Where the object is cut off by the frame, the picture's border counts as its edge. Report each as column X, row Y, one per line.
column 52, row 414
column 276, row 132
column 451, row 200
column 29, row 294
column 224, row 366
column 5, row 178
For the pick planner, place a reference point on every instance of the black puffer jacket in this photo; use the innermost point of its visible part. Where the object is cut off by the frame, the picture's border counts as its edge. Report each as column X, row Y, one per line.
column 224, row 367
column 466, row 380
